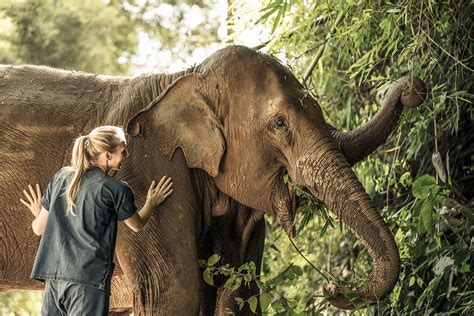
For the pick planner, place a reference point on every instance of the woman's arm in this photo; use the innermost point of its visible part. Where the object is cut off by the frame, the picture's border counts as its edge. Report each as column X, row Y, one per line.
column 156, row 196
column 40, row 222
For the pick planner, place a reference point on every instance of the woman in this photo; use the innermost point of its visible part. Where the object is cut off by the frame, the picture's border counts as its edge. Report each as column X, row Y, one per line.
column 77, row 217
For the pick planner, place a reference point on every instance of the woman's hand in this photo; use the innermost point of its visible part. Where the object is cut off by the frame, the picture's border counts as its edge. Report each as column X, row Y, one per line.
column 157, row 194
column 34, row 199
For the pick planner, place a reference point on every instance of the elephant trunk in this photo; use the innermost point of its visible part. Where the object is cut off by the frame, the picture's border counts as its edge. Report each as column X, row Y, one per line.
column 359, row 143
column 329, row 176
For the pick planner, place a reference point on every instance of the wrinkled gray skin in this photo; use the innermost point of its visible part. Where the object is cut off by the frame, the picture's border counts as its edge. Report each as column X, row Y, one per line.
column 225, row 131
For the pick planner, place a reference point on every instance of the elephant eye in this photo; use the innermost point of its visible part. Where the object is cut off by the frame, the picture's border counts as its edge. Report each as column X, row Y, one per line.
column 280, row 122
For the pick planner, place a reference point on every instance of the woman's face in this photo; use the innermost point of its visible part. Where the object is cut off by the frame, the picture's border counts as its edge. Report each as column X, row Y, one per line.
column 116, row 158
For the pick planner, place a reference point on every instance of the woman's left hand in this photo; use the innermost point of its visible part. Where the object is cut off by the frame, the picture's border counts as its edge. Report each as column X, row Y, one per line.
column 34, row 199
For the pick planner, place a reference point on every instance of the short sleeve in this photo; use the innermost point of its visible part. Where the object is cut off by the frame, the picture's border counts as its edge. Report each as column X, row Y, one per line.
column 46, row 198
column 124, row 203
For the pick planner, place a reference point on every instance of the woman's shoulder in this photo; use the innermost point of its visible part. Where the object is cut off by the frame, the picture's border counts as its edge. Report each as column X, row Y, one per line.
column 115, row 184
column 64, row 173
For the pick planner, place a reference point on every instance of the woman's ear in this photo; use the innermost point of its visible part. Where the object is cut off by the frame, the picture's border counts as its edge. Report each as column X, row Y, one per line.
column 182, row 116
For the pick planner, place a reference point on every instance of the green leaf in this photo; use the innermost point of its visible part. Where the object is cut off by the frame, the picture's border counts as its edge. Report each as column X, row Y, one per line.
column 465, row 268
column 438, row 198
column 213, row 259
column 423, row 185
column 280, row 14
column 237, row 283
column 240, row 302
column 207, row 274
column 297, row 270
column 265, row 16
column 230, row 281
column 426, row 215
column 420, row 282
column 439, row 166
column 253, row 304
column 265, row 299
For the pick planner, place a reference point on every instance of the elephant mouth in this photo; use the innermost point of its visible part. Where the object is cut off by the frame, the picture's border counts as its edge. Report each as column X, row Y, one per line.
column 284, row 205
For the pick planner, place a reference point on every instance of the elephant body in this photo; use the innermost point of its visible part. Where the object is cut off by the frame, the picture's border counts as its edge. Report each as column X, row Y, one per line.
column 199, row 127
column 42, row 111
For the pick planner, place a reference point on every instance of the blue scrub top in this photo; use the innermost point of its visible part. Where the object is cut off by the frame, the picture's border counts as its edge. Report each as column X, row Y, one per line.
column 81, row 248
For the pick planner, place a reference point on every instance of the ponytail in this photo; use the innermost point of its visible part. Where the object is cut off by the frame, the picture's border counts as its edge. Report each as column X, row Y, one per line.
column 84, row 153
column 81, row 163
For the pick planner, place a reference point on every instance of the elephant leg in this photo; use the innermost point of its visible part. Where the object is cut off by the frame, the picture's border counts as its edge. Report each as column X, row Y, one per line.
column 226, row 302
column 121, row 299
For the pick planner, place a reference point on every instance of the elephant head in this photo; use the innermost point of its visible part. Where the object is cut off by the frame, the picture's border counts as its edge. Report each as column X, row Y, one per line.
column 246, row 120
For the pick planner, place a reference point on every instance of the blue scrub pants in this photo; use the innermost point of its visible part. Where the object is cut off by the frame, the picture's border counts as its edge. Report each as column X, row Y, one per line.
column 69, row 298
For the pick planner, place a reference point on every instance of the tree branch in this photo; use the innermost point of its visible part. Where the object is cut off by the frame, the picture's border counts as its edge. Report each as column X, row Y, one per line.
column 321, row 48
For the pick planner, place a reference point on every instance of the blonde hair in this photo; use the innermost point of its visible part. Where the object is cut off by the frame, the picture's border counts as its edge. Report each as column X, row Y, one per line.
column 86, row 151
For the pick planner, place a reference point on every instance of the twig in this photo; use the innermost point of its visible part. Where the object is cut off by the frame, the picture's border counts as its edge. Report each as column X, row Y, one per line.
column 282, row 272
column 310, row 263
column 321, row 48
column 287, row 35
column 262, row 45
column 309, row 50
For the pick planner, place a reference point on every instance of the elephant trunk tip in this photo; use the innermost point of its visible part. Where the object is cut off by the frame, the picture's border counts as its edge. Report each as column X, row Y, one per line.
column 414, row 92
column 347, row 301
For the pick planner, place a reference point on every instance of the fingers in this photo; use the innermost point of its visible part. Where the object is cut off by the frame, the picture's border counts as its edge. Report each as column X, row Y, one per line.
column 164, row 185
column 167, row 194
column 33, row 193
column 28, row 196
column 167, row 188
column 25, row 203
column 162, row 190
column 152, row 186
column 38, row 191
column 161, row 182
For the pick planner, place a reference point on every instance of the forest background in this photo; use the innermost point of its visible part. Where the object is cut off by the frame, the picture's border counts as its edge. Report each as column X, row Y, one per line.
column 347, row 53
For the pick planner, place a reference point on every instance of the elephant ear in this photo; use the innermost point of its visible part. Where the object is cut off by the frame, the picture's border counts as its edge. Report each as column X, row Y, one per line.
column 182, row 117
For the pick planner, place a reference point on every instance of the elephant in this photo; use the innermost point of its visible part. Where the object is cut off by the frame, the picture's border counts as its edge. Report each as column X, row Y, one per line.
column 227, row 131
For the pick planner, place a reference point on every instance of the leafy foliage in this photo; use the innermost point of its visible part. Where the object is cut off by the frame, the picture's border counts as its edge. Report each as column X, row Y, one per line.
column 68, row 34
column 348, row 53
column 20, row 303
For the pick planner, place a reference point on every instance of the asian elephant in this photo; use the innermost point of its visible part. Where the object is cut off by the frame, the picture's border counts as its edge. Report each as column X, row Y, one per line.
column 226, row 131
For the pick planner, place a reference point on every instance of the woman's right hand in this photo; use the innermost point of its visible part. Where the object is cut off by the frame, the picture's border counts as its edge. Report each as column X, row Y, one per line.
column 157, row 194
column 34, row 199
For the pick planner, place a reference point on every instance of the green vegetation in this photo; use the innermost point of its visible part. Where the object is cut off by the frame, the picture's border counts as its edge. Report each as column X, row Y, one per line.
column 347, row 54
column 20, row 303
column 73, row 35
